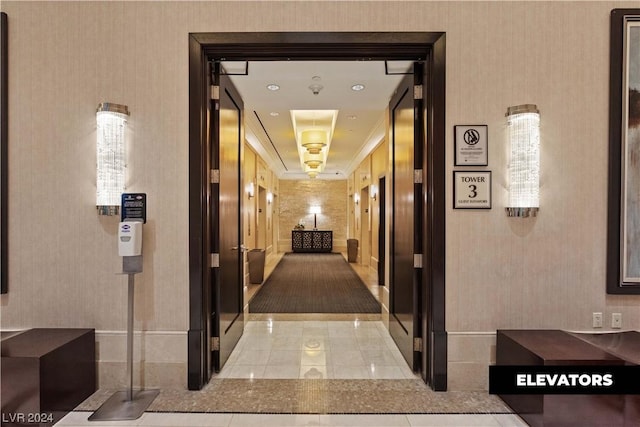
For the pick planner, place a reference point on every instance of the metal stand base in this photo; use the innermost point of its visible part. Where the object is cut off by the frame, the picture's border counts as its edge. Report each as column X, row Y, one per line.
column 118, row 408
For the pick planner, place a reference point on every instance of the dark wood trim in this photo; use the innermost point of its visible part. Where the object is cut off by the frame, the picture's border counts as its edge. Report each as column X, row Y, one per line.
column 614, row 279
column 434, row 167
column 4, row 155
column 415, row 46
column 196, row 358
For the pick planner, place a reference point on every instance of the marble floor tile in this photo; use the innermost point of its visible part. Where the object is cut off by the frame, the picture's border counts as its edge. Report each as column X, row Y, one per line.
column 445, row 420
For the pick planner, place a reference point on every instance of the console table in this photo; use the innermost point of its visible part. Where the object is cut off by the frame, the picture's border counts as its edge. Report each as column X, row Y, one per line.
column 312, row 240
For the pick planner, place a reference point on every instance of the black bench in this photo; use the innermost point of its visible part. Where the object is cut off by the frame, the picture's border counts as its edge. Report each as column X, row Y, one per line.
column 555, row 347
column 45, row 374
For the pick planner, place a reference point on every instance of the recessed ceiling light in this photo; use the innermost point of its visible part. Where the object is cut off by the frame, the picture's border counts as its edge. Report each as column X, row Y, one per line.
column 274, row 114
column 352, row 117
column 357, row 87
column 273, row 87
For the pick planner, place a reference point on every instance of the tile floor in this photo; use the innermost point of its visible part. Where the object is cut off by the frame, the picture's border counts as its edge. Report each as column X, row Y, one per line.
column 358, row 349
column 326, row 347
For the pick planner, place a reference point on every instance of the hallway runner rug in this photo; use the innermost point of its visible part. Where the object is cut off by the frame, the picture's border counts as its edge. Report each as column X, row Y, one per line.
column 313, row 283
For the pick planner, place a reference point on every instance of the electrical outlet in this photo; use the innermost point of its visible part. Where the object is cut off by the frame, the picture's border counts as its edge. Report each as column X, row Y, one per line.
column 597, row 320
column 616, row 320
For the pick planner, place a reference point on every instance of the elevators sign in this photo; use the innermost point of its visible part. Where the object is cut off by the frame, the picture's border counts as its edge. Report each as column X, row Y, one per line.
column 471, row 145
column 134, row 207
column 472, row 189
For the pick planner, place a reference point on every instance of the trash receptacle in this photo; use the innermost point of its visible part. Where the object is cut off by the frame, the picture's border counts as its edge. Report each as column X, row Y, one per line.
column 352, row 250
column 256, row 265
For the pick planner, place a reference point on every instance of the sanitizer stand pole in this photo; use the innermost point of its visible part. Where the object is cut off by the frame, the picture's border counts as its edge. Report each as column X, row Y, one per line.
column 130, row 338
column 127, row 405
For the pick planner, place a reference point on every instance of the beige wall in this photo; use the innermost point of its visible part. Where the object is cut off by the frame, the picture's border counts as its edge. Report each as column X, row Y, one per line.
column 295, row 199
column 65, row 58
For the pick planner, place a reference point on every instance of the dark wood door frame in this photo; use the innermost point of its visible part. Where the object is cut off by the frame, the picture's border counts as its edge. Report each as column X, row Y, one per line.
column 416, row 46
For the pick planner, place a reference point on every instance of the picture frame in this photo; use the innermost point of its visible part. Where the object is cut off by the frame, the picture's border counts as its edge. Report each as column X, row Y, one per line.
column 623, row 221
column 472, row 189
column 4, row 152
column 471, row 145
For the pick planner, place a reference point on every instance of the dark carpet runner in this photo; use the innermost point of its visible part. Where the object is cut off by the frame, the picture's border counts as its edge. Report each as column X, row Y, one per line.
column 313, row 283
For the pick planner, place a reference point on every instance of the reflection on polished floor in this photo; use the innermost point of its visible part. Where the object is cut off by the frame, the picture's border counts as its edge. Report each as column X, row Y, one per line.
column 357, row 349
column 314, row 370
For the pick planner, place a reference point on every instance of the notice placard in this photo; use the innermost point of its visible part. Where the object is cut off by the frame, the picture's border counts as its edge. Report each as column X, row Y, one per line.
column 472, row 189
column 134, row 207
column 471, row 145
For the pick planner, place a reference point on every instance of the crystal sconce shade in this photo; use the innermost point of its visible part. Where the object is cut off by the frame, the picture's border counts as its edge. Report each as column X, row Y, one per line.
column 110, row 156
column 523, row 124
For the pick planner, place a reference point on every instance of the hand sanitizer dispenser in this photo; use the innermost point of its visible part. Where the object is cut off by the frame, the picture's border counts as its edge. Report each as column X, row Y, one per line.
column 130, row 238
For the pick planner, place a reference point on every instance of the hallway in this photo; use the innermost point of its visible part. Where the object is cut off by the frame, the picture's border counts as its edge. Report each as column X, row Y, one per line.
column 318, row 346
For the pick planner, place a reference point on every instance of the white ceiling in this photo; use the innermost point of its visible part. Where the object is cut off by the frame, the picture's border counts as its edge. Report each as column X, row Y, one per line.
column 273, row 136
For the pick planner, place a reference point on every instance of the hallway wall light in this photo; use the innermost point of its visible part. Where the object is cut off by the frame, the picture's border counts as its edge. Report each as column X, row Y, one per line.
column 374, row 192
column 356, row 198
column 269, row 197
column 523, row 123
column 250, row 190
column 110, row 156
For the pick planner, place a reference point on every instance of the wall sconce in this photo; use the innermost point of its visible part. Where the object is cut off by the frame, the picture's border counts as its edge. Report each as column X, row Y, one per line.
column 374, row 192
column 356, row 198
column 250, row 190
column 269, row 197
column 110, row 156
column 523, row 122
column 315, row 210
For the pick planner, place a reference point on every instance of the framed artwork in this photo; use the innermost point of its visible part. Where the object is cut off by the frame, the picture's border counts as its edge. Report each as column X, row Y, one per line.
column 471, row 145
column 623, row 223
column 4, row 161
column 472, row 189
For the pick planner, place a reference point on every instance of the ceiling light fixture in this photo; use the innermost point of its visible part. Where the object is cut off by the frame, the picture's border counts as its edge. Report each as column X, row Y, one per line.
column 273, row 87
column 313, row 160
column 274, row 114
column 313, row 140
column 313, row 131
column 357, row 87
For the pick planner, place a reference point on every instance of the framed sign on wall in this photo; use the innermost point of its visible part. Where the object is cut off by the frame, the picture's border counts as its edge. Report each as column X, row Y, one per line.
column 471, row 145
column 472, row 189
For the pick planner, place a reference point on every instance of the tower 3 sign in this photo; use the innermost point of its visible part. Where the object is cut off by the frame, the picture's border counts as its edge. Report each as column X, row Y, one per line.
column 472, row 189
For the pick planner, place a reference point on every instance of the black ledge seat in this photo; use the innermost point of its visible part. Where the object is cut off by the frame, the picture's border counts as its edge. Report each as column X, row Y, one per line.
column 47, row 372
column 526, row 347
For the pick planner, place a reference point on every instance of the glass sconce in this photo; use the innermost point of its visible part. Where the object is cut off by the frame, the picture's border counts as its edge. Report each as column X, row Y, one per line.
column 110, row 156
column 356, row 198
column 374, row 192
column 523, row 124
column 250, row 190
column 269, row 197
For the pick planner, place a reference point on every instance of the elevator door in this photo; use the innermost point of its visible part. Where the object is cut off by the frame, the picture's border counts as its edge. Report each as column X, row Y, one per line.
column 227, row 296
column 405, row 279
